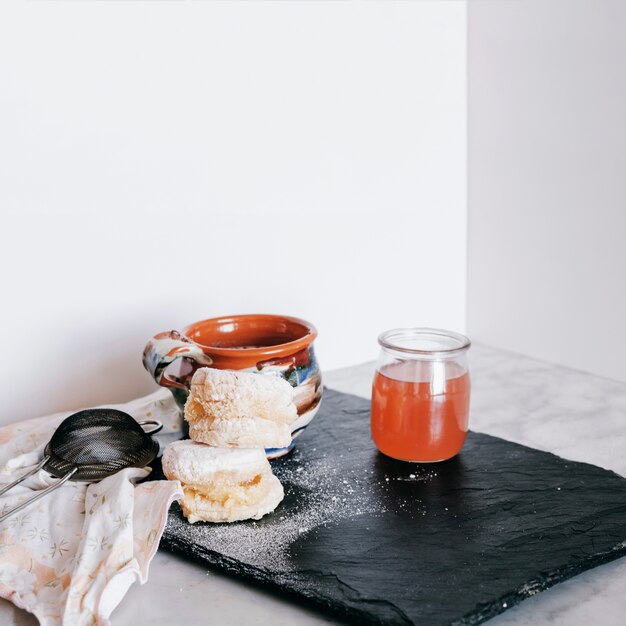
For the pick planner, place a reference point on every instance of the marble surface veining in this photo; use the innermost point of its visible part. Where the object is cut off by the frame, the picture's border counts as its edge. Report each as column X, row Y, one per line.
column 571, row 413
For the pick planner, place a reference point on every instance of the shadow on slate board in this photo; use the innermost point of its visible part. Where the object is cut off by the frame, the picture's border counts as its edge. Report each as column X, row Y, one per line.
column 377, row 541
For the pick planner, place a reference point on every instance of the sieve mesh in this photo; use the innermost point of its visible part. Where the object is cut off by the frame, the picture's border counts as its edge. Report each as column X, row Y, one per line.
column 99, row 442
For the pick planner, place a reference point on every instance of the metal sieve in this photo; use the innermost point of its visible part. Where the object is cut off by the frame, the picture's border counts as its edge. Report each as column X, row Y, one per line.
column 89, row 446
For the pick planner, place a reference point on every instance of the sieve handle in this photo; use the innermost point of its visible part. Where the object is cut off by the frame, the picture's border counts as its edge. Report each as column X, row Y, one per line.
column 169, row 346
column 157, row 426
column 38, row 495
column 24, row 476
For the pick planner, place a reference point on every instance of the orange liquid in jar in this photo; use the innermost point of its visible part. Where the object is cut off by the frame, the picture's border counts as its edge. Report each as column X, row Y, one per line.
column 419, row 413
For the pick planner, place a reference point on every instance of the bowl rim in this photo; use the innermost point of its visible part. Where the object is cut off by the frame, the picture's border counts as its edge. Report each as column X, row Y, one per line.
column 281, row 349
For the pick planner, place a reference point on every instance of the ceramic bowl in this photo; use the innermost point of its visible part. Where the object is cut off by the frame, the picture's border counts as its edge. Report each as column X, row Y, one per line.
column 271, row 345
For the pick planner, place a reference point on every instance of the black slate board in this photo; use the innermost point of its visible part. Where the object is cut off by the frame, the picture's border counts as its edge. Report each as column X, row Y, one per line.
column 372, row 540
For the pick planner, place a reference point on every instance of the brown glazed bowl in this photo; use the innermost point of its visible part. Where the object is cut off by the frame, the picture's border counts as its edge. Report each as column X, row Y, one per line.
column 275, row 345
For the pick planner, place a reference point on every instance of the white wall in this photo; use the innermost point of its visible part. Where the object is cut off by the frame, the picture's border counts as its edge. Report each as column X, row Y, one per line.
column 547, row 183
column 165, row 162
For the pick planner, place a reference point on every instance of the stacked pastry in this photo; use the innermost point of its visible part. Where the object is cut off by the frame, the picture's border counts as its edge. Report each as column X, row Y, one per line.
column 223, row 470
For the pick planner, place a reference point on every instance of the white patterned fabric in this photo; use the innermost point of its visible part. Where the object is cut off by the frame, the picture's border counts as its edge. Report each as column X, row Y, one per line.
column 70, row 557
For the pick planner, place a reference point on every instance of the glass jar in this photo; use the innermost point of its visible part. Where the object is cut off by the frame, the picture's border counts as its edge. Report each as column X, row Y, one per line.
column 421, row 394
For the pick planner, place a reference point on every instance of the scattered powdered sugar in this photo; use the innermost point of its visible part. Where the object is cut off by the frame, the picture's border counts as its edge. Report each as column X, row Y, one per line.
column 319, row 492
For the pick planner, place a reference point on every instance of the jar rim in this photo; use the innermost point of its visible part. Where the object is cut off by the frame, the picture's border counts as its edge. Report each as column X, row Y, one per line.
column 450, row 342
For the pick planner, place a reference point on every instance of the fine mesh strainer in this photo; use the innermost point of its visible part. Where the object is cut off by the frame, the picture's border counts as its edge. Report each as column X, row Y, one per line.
column 91, row 445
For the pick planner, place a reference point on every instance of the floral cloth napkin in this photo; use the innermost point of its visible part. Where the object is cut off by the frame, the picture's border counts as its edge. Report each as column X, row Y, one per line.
column 70, row 557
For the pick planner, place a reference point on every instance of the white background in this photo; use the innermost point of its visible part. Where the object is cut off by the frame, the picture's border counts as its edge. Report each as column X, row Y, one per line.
column 166, row 162
column 547, row 180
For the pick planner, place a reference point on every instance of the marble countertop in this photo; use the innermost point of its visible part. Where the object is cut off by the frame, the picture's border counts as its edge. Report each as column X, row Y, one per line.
column 573, row 414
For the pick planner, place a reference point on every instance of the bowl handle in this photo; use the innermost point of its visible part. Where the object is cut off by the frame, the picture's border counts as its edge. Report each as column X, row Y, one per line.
column 169, row 346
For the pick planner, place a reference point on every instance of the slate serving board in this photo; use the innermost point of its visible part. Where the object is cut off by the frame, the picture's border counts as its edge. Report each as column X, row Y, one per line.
column 375, row 541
